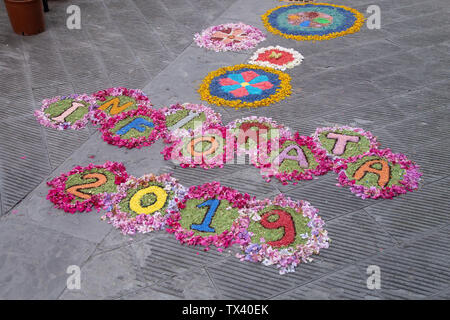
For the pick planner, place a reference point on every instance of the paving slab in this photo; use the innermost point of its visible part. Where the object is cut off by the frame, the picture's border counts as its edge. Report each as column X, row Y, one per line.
column 390, row 81
column 34, row 260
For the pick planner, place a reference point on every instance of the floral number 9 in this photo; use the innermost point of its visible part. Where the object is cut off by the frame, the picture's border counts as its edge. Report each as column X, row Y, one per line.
column 284, row 221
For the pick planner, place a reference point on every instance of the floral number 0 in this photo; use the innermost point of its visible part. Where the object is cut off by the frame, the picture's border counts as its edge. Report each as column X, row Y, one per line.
column 204, row 226
column 284, row 221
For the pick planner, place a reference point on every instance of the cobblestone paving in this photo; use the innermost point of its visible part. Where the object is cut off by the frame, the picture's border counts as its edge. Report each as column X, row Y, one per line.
column 393, row 81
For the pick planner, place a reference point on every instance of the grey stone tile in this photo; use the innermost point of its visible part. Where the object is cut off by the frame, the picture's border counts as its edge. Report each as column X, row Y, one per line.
column 419, row 9
column 372, row 79
column 422, row 128
column 40, row 211
column 137, row 33
column 154, row 61
column 86, row 57
column 347, row 56
column 34, row 260
column 193, row 285
column 420, row 101
column 136, row 77
column 398, row 83
column 239, row 10
column 355, row 94
column 347, row 284
column 235, row 279
column 24, row 162
column 421, row 38
column 42, row 93
column 107, row 275
column 61, row 144
column 432, row 158
column 415, row 271
column 15, row 94
column 324, row 195
column 409, row 216
column 119, row 5
column 166, row 259
column 195, row 63
column 66, row 38
column 368, row 116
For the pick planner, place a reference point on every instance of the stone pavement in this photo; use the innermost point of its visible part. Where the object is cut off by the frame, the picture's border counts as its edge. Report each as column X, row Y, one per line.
column 393, row 81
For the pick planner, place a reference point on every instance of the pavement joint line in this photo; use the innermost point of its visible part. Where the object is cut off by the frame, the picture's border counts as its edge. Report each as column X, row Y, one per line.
column 139, row 12
column 213, row 282
column 381, row 99
column 81, row 266
column 106, row 9
column 50, row 174
column 393, row 239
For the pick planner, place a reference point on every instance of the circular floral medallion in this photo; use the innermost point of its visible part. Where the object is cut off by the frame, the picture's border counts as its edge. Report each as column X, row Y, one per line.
column 207, row 147
column 318, row 21
column 142, row 204
column 299, row 1
column 209, row 214
column 66, row 112
column 135, row 128
column 296, row 158
column 276, row 57
column 255, row 134
column 114, row 101
column 245, row 85
column 190, row 116
column 229, row 36
column 283, row 232
column 379, row 174
column 83, row 188
column 344, row 142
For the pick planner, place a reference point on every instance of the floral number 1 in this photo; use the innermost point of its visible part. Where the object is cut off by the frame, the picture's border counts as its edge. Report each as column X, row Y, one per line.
column 204, row 226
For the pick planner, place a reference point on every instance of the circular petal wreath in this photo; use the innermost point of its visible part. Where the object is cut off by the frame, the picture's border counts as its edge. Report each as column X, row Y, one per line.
column 210, row 214
column 113, row 101
column 142, row 204
column 66, row 112
column 135, row 128
column 254, row 133
column 188, row 116
column 84, row 188
column 344, row 142
column 296, row 158
column 379, row 174
column 208, row 147
column 283, row 232
column 229, row 37
column 276, row 57
column 317, row 21
column 245, row 85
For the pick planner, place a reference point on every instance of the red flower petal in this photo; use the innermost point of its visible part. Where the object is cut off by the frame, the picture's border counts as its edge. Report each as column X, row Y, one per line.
column 241, row 92
column 263, row 85
column 227, row 82
column 249, row 75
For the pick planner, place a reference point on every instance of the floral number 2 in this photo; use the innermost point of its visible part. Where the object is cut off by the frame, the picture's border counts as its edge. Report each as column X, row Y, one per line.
column 284, row 221
column 205, row 225
column 101, row 180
